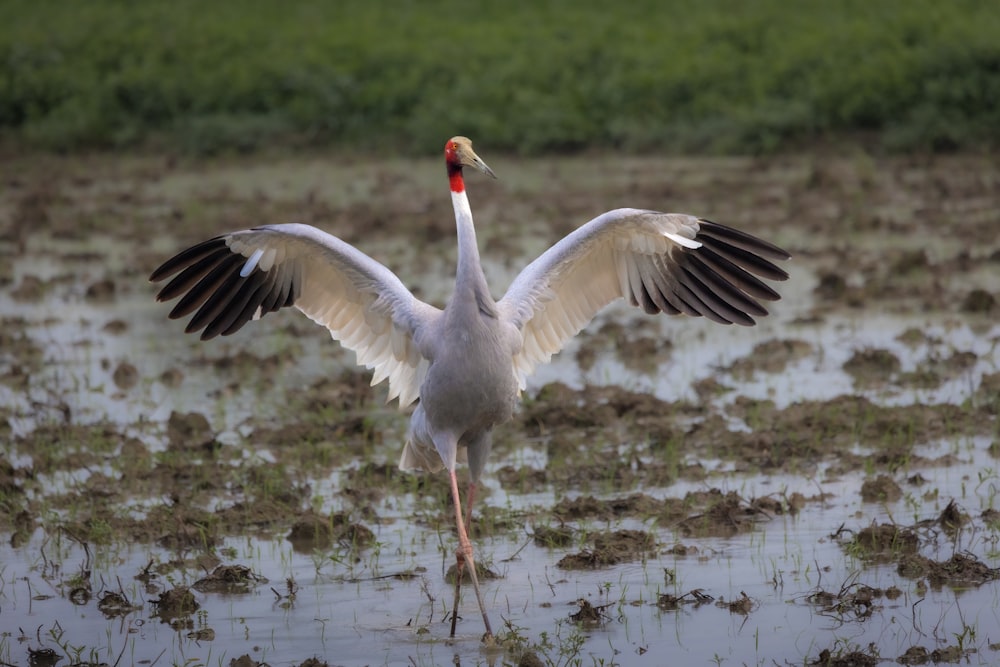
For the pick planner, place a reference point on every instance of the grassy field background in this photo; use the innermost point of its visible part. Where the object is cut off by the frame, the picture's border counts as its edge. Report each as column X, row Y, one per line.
column 703, row 77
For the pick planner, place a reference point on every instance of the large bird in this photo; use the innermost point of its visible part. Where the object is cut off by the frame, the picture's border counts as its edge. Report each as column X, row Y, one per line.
column 468, row 362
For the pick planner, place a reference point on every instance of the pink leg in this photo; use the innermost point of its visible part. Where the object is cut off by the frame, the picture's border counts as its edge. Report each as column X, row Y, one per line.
column 470, row 499
column 463, row 559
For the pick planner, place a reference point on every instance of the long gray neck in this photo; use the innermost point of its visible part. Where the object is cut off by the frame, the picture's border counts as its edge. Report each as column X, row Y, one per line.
column 470, row 282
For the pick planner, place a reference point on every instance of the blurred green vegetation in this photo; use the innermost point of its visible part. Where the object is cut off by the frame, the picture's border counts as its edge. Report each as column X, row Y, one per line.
column 678, row 76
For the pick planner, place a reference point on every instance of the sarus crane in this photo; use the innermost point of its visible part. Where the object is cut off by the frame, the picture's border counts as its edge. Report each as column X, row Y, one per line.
column 467, row 363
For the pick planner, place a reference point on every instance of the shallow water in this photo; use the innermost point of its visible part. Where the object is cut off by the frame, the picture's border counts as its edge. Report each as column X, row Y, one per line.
column 357, row 613
column 352, row 608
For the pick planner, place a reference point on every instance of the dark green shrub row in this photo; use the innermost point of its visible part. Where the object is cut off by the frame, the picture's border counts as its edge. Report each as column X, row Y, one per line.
column 695, row 76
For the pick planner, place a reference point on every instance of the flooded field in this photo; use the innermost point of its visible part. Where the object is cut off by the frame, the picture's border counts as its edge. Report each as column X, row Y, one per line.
column 819, row 489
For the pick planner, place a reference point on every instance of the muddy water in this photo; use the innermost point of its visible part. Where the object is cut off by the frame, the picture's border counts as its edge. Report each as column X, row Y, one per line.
column 821, row 487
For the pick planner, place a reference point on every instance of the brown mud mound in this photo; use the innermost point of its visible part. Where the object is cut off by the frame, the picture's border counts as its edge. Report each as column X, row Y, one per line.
column 959, row 571
column 882, row 489
column 727, row 515
column 313, row 531
column 771, row 356
column 610, row 548
column 548, row 537
column 850, row 659
column 114, row 605
column 590, row 615
column 229, row 579
column 589, row 507
column 872, row 367
column 190, row 432
column 883, row 542
column 852, row 602
column 483, row 573
column 670, row 602
column 175, row 604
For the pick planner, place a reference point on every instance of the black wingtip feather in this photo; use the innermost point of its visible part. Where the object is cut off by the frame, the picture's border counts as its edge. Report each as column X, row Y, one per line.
column 186, row 258
column 741, row 239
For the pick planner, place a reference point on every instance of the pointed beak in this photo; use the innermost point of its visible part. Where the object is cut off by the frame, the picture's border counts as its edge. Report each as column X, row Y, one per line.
column 478, row 163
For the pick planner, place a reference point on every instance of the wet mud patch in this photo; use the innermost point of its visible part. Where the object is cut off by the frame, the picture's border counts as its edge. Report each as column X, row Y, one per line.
column 312, row 531
column 727, row 514
column 902, row 545
column 771, row 356
column 610, row 548
column 881, row 542
column 872, row 367
column 639, row 346
column 229, row 579
column 175, row 606
column 637, row 505
column 852, row 602
column 880, row 490
column 550, row 537
column 20, row 354
column 190, row 433
column 113, row 604
column 588, row 614
column 959, row 571
column 839, row 658
column 936, row 370
column 483, row 573
column 671, row 602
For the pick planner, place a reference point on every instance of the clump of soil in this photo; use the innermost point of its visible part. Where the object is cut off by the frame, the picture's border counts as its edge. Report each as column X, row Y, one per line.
column 936, row 370
column 589, row 507
column 742, row 605
column 915, row 655
column 174, row 604
column 882, row 489
column 978, row 301
column 771, row 356
column 851, row 659
column 229, row 579
column 189, row 432
column 952, row 517
column 125, row 376
column 670, row 602
column 610, row 548
column 883, row 539
column 960, row 570
column 589, row 614
column 872, row 366
column 101, row 291
column 483, row 573
column 918, row 655
column 113, row 605
column 548, row 537
column 115, row 327
column 31, row 290
column 522, row 479
column 856, row 601
column 312, row 531
column 727, row 515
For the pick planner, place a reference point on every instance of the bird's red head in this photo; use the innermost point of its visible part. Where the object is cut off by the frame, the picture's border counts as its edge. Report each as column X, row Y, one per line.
column 454, row 165
column 458, row 153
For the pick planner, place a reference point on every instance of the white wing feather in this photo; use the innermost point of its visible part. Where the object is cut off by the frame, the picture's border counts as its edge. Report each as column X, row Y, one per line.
column 362, row 303
column 555, row 296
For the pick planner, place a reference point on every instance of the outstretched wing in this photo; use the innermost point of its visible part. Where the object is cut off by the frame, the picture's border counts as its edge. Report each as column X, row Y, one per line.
column 661, row 262
column 232, row 279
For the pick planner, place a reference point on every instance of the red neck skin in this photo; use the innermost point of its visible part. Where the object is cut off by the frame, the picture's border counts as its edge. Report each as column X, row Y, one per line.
column 455, row 179
column 454, row 169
